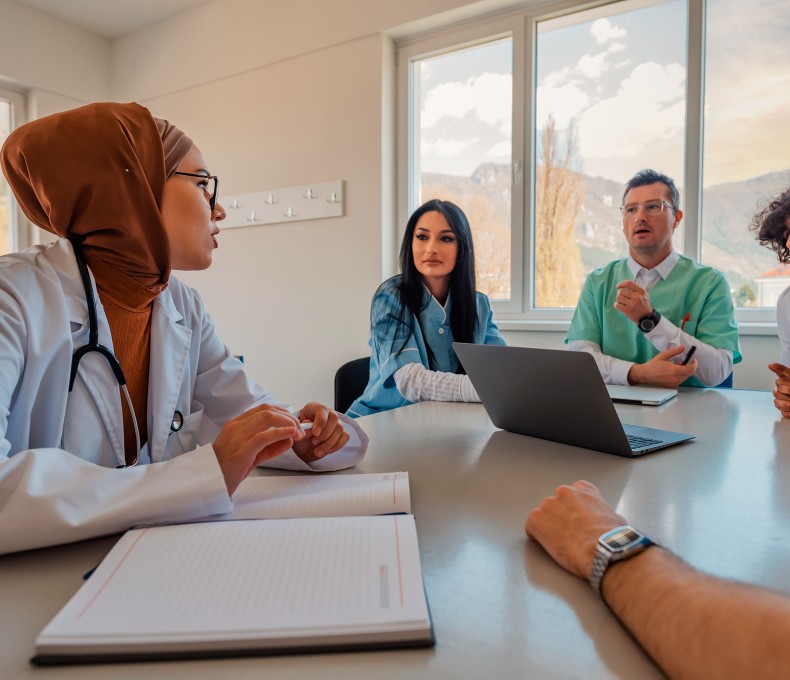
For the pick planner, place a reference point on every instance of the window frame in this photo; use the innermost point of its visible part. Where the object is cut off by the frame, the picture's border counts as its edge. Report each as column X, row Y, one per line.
column 20, row 230
column 518, row 313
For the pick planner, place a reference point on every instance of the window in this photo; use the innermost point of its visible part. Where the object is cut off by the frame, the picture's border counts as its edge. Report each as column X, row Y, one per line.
column 11, row 106
column 463, row 145
column 692, row 88
column 610, row 99
column 746, row 146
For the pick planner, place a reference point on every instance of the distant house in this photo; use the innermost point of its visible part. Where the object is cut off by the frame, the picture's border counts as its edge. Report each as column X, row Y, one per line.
column 771, row 284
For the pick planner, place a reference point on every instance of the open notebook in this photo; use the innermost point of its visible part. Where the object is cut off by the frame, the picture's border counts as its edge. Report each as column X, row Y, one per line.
column 245, row 587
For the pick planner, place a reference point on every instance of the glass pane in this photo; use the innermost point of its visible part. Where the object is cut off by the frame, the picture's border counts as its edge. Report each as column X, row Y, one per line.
column 462, row 150
column 610, row 101
column 5, row 128
column 746, row 158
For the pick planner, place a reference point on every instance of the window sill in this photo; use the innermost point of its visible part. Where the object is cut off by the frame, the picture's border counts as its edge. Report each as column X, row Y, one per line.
column 561, row 326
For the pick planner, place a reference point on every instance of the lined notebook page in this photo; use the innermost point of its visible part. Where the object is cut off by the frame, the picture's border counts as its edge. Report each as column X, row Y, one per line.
column 321, row 496
column 285, row 579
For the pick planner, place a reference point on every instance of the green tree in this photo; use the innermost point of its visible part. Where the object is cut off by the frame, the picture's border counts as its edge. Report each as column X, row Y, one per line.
column 745, row 297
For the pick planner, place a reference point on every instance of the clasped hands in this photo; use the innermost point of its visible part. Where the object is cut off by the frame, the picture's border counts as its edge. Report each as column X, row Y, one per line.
column 634, row 301
column 267, row 431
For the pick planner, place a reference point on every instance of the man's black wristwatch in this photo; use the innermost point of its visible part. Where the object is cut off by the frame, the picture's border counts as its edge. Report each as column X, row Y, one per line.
column 618, row 544
column 649, row 322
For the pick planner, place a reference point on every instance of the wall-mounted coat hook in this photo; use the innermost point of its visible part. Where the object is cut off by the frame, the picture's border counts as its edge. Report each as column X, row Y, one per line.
column 286, row 204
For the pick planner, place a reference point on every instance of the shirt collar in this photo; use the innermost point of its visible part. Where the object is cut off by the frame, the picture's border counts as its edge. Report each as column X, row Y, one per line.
column 433, row 302
column 664, row 268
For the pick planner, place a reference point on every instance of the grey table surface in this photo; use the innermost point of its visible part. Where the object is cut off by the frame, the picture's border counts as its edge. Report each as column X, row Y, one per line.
column 500, row 606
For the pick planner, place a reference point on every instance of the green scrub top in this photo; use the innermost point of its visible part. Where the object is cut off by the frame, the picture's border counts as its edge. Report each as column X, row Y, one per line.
column 692, row 292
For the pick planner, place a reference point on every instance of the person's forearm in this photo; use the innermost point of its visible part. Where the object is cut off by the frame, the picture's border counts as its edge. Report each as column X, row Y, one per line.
column 698, row 626
column 614, row 371
column 417, row 383
column 714, row 364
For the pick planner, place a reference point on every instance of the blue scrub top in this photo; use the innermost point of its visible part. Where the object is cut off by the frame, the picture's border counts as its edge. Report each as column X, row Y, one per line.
column 430, row 329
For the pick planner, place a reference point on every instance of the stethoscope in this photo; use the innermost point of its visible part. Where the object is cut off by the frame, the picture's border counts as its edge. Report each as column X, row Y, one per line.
column 93, row 346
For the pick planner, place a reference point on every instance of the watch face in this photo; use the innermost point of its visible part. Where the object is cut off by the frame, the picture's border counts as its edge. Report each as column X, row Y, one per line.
column 620, row 538
column 647, row 324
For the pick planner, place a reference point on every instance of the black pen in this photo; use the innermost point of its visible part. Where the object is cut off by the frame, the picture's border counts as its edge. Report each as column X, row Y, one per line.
column 689, row 355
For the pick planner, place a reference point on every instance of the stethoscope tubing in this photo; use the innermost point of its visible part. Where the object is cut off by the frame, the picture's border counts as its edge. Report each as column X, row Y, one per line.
column 94, row 346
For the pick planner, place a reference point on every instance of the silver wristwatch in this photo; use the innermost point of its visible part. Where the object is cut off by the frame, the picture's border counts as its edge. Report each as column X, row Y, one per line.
column 618, row 544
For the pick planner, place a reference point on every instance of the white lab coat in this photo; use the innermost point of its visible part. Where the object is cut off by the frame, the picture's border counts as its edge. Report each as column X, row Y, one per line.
column 51, row 494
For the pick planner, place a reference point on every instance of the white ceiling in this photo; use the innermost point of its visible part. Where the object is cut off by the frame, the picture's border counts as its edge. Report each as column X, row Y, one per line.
column 112, row 18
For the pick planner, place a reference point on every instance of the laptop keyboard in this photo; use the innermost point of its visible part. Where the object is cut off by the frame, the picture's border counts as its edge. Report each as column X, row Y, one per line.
column 641, row 442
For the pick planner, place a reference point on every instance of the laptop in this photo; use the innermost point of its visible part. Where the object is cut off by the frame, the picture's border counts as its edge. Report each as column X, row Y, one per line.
column 557, row 395
column 638, row 394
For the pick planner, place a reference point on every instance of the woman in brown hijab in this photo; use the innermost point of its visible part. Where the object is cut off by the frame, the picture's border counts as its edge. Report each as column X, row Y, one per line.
column 131, row 198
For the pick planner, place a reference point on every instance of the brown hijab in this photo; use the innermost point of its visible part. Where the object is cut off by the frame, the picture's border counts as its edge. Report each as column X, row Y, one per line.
column 97, row 174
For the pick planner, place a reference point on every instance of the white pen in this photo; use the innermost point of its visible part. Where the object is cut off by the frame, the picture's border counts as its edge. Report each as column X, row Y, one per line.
column 307, row 426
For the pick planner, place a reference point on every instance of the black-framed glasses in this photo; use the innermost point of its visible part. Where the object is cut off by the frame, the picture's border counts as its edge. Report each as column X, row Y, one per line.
column 212, row 184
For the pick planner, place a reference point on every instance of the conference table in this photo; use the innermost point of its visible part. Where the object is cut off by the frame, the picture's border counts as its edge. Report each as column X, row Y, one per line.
column 500, row 606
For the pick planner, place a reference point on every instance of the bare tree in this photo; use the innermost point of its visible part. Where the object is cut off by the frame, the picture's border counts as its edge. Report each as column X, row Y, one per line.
column 559, row 192
column 491, row 238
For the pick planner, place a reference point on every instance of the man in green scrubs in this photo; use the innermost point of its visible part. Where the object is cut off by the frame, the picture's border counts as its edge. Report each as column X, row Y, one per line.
column 644, row 317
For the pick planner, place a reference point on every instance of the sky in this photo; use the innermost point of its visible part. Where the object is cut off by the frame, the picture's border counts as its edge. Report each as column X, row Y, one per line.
column 621, row 80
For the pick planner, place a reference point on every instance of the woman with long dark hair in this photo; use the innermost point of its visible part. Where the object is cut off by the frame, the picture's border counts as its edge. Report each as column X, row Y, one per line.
column 418, row 314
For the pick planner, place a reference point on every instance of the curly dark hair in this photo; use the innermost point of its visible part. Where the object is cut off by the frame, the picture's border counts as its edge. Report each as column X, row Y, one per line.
column 771, row 226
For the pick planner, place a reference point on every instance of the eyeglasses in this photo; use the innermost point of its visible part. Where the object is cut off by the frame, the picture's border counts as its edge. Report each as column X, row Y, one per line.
column 652, row 208
column 211, row 186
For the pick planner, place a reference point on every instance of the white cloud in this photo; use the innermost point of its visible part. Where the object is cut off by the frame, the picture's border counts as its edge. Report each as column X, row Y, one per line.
column 500, row 150
column 447, row 147
column 616, row 47
column 654, row 83
column 594, row 66
column 488, row 95
column 604, row 30
column 563, row 102
column 648, row 110
column 557, row 78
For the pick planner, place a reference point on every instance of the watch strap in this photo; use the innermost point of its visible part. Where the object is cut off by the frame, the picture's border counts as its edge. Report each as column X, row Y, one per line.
column 649, row 322
column 605, row 556
column 601, row 562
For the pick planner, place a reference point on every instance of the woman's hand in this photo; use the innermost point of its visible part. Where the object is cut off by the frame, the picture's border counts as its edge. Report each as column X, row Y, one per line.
column 327, row 435
column 253, row 438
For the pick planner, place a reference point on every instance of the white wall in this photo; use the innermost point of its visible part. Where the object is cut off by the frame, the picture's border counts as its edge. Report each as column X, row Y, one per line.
column 57, row 64
column 293, row 298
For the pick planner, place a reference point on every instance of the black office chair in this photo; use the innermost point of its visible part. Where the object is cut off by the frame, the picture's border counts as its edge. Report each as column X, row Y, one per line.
column 350, row 382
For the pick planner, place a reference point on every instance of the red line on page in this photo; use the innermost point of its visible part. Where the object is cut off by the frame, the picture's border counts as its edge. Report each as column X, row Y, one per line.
column 397, row 550
column 111, row 576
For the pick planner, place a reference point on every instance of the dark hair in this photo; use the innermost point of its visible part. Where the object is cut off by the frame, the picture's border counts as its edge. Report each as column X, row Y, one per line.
column 648, row 176
column 771, row 226
column 463, row 314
